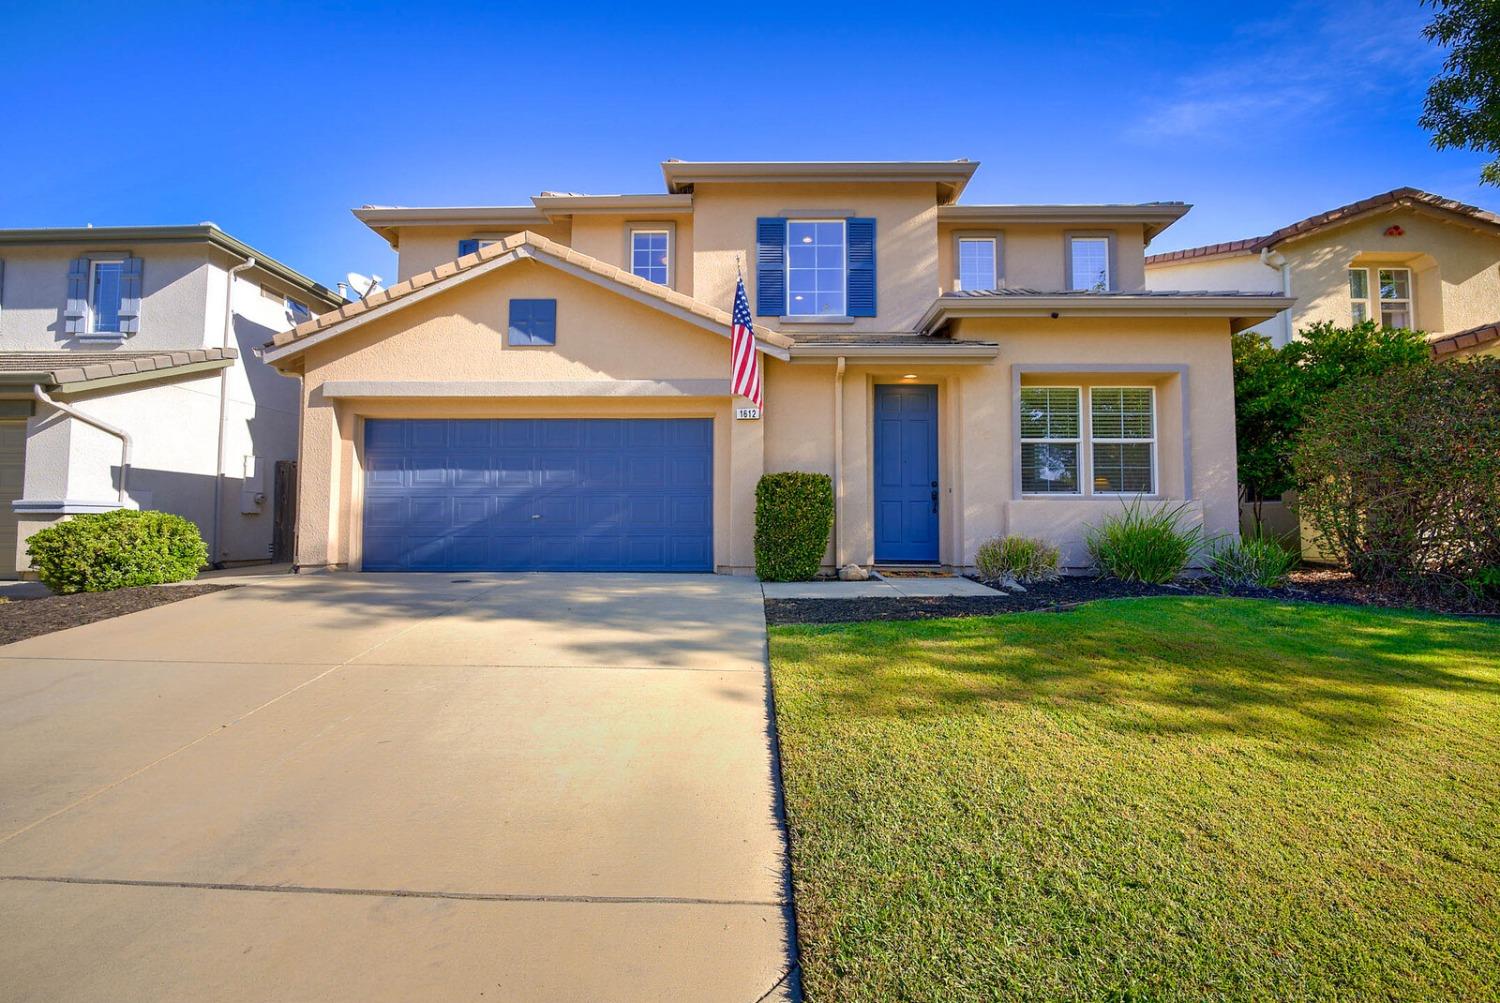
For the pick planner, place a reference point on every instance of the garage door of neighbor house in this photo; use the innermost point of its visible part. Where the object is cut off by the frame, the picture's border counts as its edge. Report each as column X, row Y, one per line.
column 539, row 495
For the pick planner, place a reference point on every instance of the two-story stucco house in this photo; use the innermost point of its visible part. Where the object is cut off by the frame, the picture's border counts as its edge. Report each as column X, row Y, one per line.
column 547, row 386
column 1406, row 258
column 128, row 378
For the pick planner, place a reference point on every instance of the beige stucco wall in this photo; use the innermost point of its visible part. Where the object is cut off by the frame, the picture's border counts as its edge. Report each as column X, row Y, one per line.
column 1033, row 255
column 423, row 248
column 1455, row 271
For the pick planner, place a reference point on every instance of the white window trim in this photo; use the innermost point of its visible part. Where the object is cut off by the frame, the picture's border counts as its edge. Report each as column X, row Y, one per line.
column 1407, row 301
column 667, row 230
column 1109, row 265
column 994, row 242
column 787, row 251
column 92, row 326
column 1355, row 299
column 1109, row 440
column 1079, row 442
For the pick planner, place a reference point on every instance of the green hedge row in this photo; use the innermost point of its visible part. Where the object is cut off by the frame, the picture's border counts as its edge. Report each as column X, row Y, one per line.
column 793, row 517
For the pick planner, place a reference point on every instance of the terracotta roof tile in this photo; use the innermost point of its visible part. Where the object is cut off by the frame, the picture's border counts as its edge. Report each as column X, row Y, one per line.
column 1450, row 344
column 451, row 271
column 61, row 367
column 1333, row 217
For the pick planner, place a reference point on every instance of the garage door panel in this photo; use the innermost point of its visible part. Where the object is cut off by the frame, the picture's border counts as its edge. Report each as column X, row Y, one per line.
column 539, row 494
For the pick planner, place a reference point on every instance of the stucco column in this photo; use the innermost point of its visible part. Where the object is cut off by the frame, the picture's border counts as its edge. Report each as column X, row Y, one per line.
column 747, row 462
column 317, row 478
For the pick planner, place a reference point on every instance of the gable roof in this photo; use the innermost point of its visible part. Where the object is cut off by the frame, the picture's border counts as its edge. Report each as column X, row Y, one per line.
column 1395, row 199
column 517, row 247
column 1461, row 341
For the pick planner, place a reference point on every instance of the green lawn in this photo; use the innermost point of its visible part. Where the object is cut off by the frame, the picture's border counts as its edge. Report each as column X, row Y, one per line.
column 1152, row 799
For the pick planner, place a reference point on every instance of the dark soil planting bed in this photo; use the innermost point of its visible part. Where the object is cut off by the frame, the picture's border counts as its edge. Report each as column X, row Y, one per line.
column 25, row 618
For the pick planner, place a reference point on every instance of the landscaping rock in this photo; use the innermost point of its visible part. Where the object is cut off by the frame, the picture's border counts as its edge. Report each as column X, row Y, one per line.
column 853, row 573
column 1011, row 585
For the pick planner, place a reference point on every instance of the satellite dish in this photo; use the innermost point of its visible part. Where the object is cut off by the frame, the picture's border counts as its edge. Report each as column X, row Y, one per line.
column 363, row 285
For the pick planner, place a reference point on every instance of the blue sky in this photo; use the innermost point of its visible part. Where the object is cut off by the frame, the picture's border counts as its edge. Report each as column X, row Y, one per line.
column 274, row 120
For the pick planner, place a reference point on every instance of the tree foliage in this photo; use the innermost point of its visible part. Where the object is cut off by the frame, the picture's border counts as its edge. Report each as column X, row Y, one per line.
column 1462, row 109
column 1276, row 389
column 1400, row 473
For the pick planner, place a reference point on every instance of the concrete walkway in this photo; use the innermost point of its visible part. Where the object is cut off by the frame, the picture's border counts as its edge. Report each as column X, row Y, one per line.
column 499, row 787
column 887, row 588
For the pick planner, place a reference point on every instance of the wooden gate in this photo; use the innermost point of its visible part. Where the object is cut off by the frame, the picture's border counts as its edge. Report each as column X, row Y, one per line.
column 284, row 528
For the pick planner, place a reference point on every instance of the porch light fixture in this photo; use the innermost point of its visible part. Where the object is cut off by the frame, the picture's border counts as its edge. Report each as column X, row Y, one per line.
column 909, row 376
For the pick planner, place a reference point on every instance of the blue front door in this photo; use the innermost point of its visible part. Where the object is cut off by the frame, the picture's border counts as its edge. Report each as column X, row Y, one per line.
column 906, row 474
column 539, row 495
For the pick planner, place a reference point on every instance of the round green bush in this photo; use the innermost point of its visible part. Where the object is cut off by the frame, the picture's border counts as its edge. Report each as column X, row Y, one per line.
column 793, row 517
column 115, row 550
column 1023, row 558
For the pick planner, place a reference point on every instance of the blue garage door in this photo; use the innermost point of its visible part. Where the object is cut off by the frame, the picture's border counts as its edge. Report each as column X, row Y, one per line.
column 539, row 495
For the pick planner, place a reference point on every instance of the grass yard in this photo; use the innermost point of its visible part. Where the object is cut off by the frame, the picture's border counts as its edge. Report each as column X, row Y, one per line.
column 1147, row 799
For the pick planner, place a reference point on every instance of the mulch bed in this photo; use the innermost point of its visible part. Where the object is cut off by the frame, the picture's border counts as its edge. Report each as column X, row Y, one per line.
column 1312, row 586
column 23, row 618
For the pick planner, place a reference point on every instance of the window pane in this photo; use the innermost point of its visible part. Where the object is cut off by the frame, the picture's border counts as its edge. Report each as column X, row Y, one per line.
column 1359, row 283
column 1361, row 311
column 1395, row 316
column 1049, row 412
column 976, row 264
column 106, row 300
column 1049, row 468
column 1121, row 413
column 648, row 255
column 1395, row 284
column 1090, row 263
column 815, row 271
column 1122, row 468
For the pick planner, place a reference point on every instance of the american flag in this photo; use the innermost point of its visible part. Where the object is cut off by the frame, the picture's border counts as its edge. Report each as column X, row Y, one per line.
column 744, row 357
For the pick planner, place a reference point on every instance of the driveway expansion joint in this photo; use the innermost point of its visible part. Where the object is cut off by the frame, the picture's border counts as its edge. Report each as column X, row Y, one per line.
column 400, row 893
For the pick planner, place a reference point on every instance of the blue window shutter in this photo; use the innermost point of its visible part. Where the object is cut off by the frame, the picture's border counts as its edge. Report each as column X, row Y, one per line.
column 770, row 266
column 467, row 247
column 75, row 317
column 532, row 322
column 861, row 276
column 130, row 295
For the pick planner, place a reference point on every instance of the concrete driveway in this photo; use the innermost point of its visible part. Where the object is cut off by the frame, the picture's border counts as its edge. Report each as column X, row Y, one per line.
column 397, row 787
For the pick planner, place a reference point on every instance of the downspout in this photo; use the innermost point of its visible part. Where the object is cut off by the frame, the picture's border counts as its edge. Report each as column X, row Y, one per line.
column 118, row 433
column 1277, row 261
column 215, row 558
column 838, row 465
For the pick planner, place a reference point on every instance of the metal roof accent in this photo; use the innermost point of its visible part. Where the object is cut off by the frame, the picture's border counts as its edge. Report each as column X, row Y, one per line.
column 1394, row 199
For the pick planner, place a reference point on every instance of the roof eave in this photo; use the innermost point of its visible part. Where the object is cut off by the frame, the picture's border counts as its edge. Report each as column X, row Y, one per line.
column 951, row 176
column 1246, row 310
column 1154, row 217
column 956, row 352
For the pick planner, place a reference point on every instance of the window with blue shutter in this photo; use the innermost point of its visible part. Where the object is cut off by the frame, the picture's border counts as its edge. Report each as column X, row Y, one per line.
column 533, row 322
column 770, row 266
column 467, row 247
column 861, row 236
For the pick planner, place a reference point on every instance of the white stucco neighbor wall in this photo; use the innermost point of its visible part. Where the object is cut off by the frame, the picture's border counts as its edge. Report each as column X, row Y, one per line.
column 1243, row 272
column 174, row 423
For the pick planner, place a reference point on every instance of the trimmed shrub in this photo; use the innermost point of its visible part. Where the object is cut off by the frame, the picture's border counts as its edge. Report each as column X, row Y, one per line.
column 1259, row 561
column 1020, row 557
column 793, row 517
column 115, row 550
column 1399, row 475
column 1144, row 543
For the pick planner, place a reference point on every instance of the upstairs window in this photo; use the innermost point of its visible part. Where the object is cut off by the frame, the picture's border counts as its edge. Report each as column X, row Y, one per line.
column 1088, row 263
column 1051, row 431
column 816, row 281
column 297, row 311
column 1395, row 297
column 1122, row 428
column 1359, row 294
column 651, row 255
column 976, row 263
column 104, row 297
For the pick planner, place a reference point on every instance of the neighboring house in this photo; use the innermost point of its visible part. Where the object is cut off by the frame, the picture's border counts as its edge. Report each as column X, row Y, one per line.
column 547, row 386
column 150, row 332
column 1407, row 258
